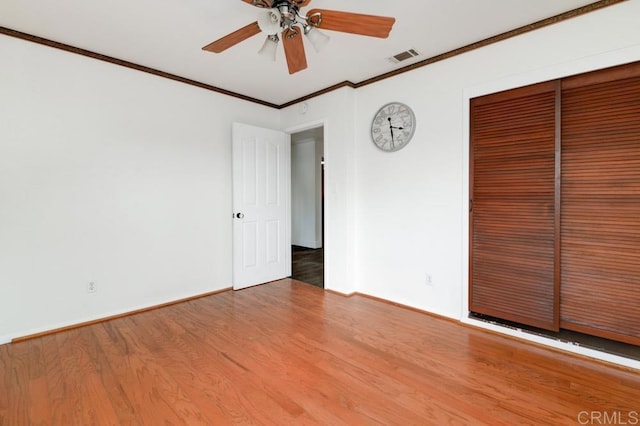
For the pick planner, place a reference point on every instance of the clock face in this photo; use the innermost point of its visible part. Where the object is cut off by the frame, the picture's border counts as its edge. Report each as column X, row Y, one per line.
column 393, row 126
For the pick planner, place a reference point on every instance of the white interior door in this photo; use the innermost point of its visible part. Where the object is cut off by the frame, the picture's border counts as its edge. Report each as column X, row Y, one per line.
column 261, row 205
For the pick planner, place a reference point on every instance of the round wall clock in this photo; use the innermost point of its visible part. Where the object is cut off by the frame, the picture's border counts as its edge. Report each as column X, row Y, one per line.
column 393, row 126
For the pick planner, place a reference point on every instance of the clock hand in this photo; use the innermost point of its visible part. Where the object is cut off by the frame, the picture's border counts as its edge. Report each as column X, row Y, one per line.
column 391, row 128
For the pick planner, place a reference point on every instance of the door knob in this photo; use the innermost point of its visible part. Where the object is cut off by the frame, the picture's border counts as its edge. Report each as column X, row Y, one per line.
column 239, row 215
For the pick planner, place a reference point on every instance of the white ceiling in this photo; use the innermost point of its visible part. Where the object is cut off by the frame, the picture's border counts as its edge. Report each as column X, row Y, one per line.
column 167, row 35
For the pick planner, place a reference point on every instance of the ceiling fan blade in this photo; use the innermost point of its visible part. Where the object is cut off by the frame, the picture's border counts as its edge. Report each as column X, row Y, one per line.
column 294, row 49
column 260, row 3
column 233, row 38
column 354, row 23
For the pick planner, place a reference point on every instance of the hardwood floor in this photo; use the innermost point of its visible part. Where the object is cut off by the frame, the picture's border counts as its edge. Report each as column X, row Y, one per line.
column 307, row 265
column 290, row 353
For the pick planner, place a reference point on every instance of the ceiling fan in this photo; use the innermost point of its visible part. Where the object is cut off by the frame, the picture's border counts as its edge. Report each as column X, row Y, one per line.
column 283, row 16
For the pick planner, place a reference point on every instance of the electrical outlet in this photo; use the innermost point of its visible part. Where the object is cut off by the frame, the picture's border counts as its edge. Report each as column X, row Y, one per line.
column 91, row 287
column 428, row 281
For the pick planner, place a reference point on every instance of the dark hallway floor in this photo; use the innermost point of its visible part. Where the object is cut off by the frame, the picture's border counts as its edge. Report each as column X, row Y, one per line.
column 308, row 265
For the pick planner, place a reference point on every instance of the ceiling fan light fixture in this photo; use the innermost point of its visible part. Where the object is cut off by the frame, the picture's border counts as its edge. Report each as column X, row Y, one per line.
column 269, row 21
column 269, row 48
column 283, row 16
column 317, row 38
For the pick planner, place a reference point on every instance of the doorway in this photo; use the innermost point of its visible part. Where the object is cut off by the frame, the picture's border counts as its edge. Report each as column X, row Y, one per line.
column 307, row 206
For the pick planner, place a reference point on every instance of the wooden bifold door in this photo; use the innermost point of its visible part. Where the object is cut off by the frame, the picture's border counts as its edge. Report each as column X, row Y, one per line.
column 555, row 204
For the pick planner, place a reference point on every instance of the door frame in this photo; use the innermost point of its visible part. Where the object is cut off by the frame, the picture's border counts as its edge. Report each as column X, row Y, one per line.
column 326, row 226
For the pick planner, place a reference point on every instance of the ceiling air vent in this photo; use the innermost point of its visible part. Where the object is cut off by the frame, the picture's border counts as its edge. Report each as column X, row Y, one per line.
column 403, row 56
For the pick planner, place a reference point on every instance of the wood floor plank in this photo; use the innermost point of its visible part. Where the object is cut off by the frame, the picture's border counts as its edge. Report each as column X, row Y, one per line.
column 241, row 352
column 158, row 335
column 290, row 353
column 329, row 357
column 16, row 384
column 4, row 384
column 276, row 351
column 81, row 397
column 407, row 379
column 150, row 392
column 108, row 376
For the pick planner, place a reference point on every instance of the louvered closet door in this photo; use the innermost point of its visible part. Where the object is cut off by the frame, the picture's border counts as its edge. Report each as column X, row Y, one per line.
column 601, row 204
column 513, row 152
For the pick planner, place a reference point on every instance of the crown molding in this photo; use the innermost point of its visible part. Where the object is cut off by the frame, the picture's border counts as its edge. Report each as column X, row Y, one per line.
column 127, row 64
column 459, row 51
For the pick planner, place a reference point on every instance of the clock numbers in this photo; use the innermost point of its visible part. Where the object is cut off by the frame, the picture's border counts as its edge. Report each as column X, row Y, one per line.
column 391, row 110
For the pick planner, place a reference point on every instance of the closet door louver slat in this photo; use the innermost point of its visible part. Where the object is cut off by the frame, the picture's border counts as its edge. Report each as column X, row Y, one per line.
column 513, row 157
column 600, row 216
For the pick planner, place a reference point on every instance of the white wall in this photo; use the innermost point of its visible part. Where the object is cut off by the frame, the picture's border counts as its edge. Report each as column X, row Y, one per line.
column 113, row 176
column 305, row 194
